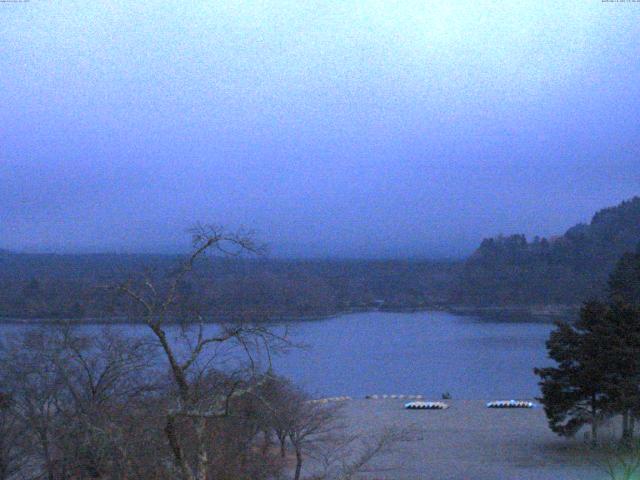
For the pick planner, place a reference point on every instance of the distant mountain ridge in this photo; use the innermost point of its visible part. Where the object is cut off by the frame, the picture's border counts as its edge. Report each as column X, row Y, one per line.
column 561, row 270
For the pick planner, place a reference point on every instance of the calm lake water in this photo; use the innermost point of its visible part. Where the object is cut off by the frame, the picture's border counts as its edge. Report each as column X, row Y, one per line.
column 411, row 353
column 425, row 352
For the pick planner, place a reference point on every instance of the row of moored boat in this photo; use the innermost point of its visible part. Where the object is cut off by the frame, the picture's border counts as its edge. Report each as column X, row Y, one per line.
column 493, row 404
column 418, row 404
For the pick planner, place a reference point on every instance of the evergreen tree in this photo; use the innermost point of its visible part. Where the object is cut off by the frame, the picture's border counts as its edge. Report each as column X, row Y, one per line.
column 598, row 370
column 576, row 392
column 624, row 282
column 621, row 333
column 624, row 316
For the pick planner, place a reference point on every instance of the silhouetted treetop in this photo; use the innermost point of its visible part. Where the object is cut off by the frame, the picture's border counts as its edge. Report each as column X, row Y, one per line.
column 558, row 270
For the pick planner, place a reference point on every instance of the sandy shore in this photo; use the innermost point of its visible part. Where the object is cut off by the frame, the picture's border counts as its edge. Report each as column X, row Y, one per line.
column 471, row 442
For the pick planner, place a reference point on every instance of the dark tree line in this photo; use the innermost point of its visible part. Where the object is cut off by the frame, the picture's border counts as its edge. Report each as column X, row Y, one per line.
column 503, row 271
column 72, row 286
column 598, row 360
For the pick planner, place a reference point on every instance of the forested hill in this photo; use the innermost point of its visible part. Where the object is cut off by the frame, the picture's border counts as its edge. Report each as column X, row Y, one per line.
column 73, row 286
column 509, row 270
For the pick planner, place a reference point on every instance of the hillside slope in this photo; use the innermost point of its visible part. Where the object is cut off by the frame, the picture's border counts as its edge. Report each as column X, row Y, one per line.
column 562, row 270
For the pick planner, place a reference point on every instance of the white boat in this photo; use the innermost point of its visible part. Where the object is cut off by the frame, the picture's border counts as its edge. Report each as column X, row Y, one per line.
column 426, row 406
column 510, row 404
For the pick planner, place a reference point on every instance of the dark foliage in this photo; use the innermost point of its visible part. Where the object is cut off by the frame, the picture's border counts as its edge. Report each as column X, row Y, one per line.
column 574, row 392
column 624, row 282
column 598, row 360
column 74, row 286
column 560, row 270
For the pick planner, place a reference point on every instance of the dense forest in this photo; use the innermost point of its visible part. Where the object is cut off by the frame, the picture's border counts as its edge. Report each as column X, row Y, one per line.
column 75, row 286
column 509, row 270
column 506, row 271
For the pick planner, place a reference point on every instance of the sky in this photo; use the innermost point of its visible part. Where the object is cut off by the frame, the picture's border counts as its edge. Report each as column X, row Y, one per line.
column 331, row 128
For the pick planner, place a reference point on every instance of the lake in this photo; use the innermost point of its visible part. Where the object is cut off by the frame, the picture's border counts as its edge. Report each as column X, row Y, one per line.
column 411, row 353
column 418, row 353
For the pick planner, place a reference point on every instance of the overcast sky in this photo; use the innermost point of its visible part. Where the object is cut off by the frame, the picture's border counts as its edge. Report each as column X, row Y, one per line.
column 333, row 128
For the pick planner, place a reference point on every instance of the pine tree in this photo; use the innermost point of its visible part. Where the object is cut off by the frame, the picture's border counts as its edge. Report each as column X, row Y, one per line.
column 598, row 359
column 621, row 332
column 624, row 315
column 576, row 392
column 624, row 282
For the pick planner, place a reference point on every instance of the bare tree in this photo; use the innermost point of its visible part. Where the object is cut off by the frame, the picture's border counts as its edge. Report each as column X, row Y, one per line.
column 160, row 303
column 317, row 430
column 348, row 455
column 12, row 437
column 76, row 399
column 36, row 395
column 294, row 418
column 106, row 377
column 371, row 448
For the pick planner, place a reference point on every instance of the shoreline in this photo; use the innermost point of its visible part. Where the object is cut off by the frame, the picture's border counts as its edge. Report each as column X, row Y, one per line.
column 543, row 313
